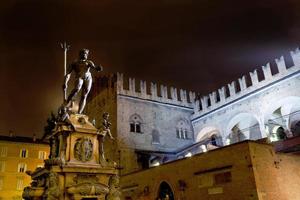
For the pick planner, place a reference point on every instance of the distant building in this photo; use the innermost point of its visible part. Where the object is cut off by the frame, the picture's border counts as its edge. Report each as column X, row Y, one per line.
column 18, row 155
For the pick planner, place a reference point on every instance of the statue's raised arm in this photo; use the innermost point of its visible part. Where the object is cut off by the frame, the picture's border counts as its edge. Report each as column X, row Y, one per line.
column 83, row 78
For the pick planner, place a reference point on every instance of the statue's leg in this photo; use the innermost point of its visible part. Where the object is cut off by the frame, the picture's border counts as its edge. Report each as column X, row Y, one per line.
column 86, row 89
column 78, row 86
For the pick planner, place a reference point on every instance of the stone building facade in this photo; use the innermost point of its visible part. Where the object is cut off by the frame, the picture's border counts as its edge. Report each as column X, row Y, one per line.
column 245, row 170
column 155, row 124
column 17, row 155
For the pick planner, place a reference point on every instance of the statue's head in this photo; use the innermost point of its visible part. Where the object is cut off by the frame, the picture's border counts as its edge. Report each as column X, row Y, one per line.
column 105, row 115
column 83, row 53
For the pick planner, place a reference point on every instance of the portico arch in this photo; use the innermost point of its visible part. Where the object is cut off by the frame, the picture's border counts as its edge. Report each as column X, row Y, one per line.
column 284, row 113
column 241, row 127
column 212, row 133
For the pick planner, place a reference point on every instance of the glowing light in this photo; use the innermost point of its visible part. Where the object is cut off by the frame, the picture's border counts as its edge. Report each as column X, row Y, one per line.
column 274, row 130
column 228, row 141
column 267, row 129
column 189, row 154
column 203, row 147
column 273, row 138
column 156, row 164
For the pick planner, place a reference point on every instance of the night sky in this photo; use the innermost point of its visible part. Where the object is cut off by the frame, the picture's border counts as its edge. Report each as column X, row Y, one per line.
column 198, row 45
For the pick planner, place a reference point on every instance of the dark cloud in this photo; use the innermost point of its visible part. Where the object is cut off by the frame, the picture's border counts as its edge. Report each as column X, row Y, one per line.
column 198, row 45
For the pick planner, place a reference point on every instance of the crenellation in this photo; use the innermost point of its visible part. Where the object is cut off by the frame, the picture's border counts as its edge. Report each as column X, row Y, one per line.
column 153, row 90
column 281, row 65
column 192, row 96
column 157, row 92
column 183, row 96
column 132, row 86
column 173, row 93
column 120, row 82
column 242, row 83
column 231, row 87
column 213, row 98
column 204, row 103
column 296, row 57
column 267, row 72
column 164, row 91
column 222, row 94
column 197, row 106
column 254, row 77
column 143, row 88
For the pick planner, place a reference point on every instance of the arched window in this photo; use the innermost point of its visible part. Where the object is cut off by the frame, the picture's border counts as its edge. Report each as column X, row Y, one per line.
column 135, row 124
column 155, row 137
column 165, row 191
column 182, row 130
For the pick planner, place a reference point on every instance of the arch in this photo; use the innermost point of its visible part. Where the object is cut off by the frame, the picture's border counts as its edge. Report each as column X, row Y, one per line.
column 208, row 132
column 183, row 129
column 165, row 191
column 241, row 127
column 135, row 123
column 284, row 113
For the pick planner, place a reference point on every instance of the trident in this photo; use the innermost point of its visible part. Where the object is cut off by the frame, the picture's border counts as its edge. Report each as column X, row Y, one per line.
column 65, row 47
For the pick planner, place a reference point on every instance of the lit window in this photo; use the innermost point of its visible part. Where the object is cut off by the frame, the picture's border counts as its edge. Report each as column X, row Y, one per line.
column 3, row 152
column 203, row 147
column 22, row 167
column 20, row 181
column 189, row 154
column 42, row 155
column 23, row 153
column 40, row 166
column 2, row 166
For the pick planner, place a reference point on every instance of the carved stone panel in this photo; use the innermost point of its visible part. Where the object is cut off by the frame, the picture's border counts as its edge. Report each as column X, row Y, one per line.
column 83, row 149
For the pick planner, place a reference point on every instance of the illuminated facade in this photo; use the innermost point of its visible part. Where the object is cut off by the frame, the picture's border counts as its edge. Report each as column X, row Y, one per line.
column 155, row 124
column 18, row 155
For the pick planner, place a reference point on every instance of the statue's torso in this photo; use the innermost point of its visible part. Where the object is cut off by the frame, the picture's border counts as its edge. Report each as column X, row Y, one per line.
column 82, row 68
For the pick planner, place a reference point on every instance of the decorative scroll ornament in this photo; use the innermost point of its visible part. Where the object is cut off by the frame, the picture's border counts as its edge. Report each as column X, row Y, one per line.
column 83, row 149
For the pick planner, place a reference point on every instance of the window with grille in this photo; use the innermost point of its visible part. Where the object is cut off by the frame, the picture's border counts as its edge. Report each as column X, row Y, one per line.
column 3, row 151
column 22, row 167
column 20, row 182
column 2, row 166
column 23, row 153
column 42, row 155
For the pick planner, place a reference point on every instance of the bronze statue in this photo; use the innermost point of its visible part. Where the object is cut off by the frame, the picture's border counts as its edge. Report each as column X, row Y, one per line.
column 102, row 132
column 81, row 68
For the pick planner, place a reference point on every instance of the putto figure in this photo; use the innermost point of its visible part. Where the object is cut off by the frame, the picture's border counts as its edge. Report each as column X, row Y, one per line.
column 83, row 78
